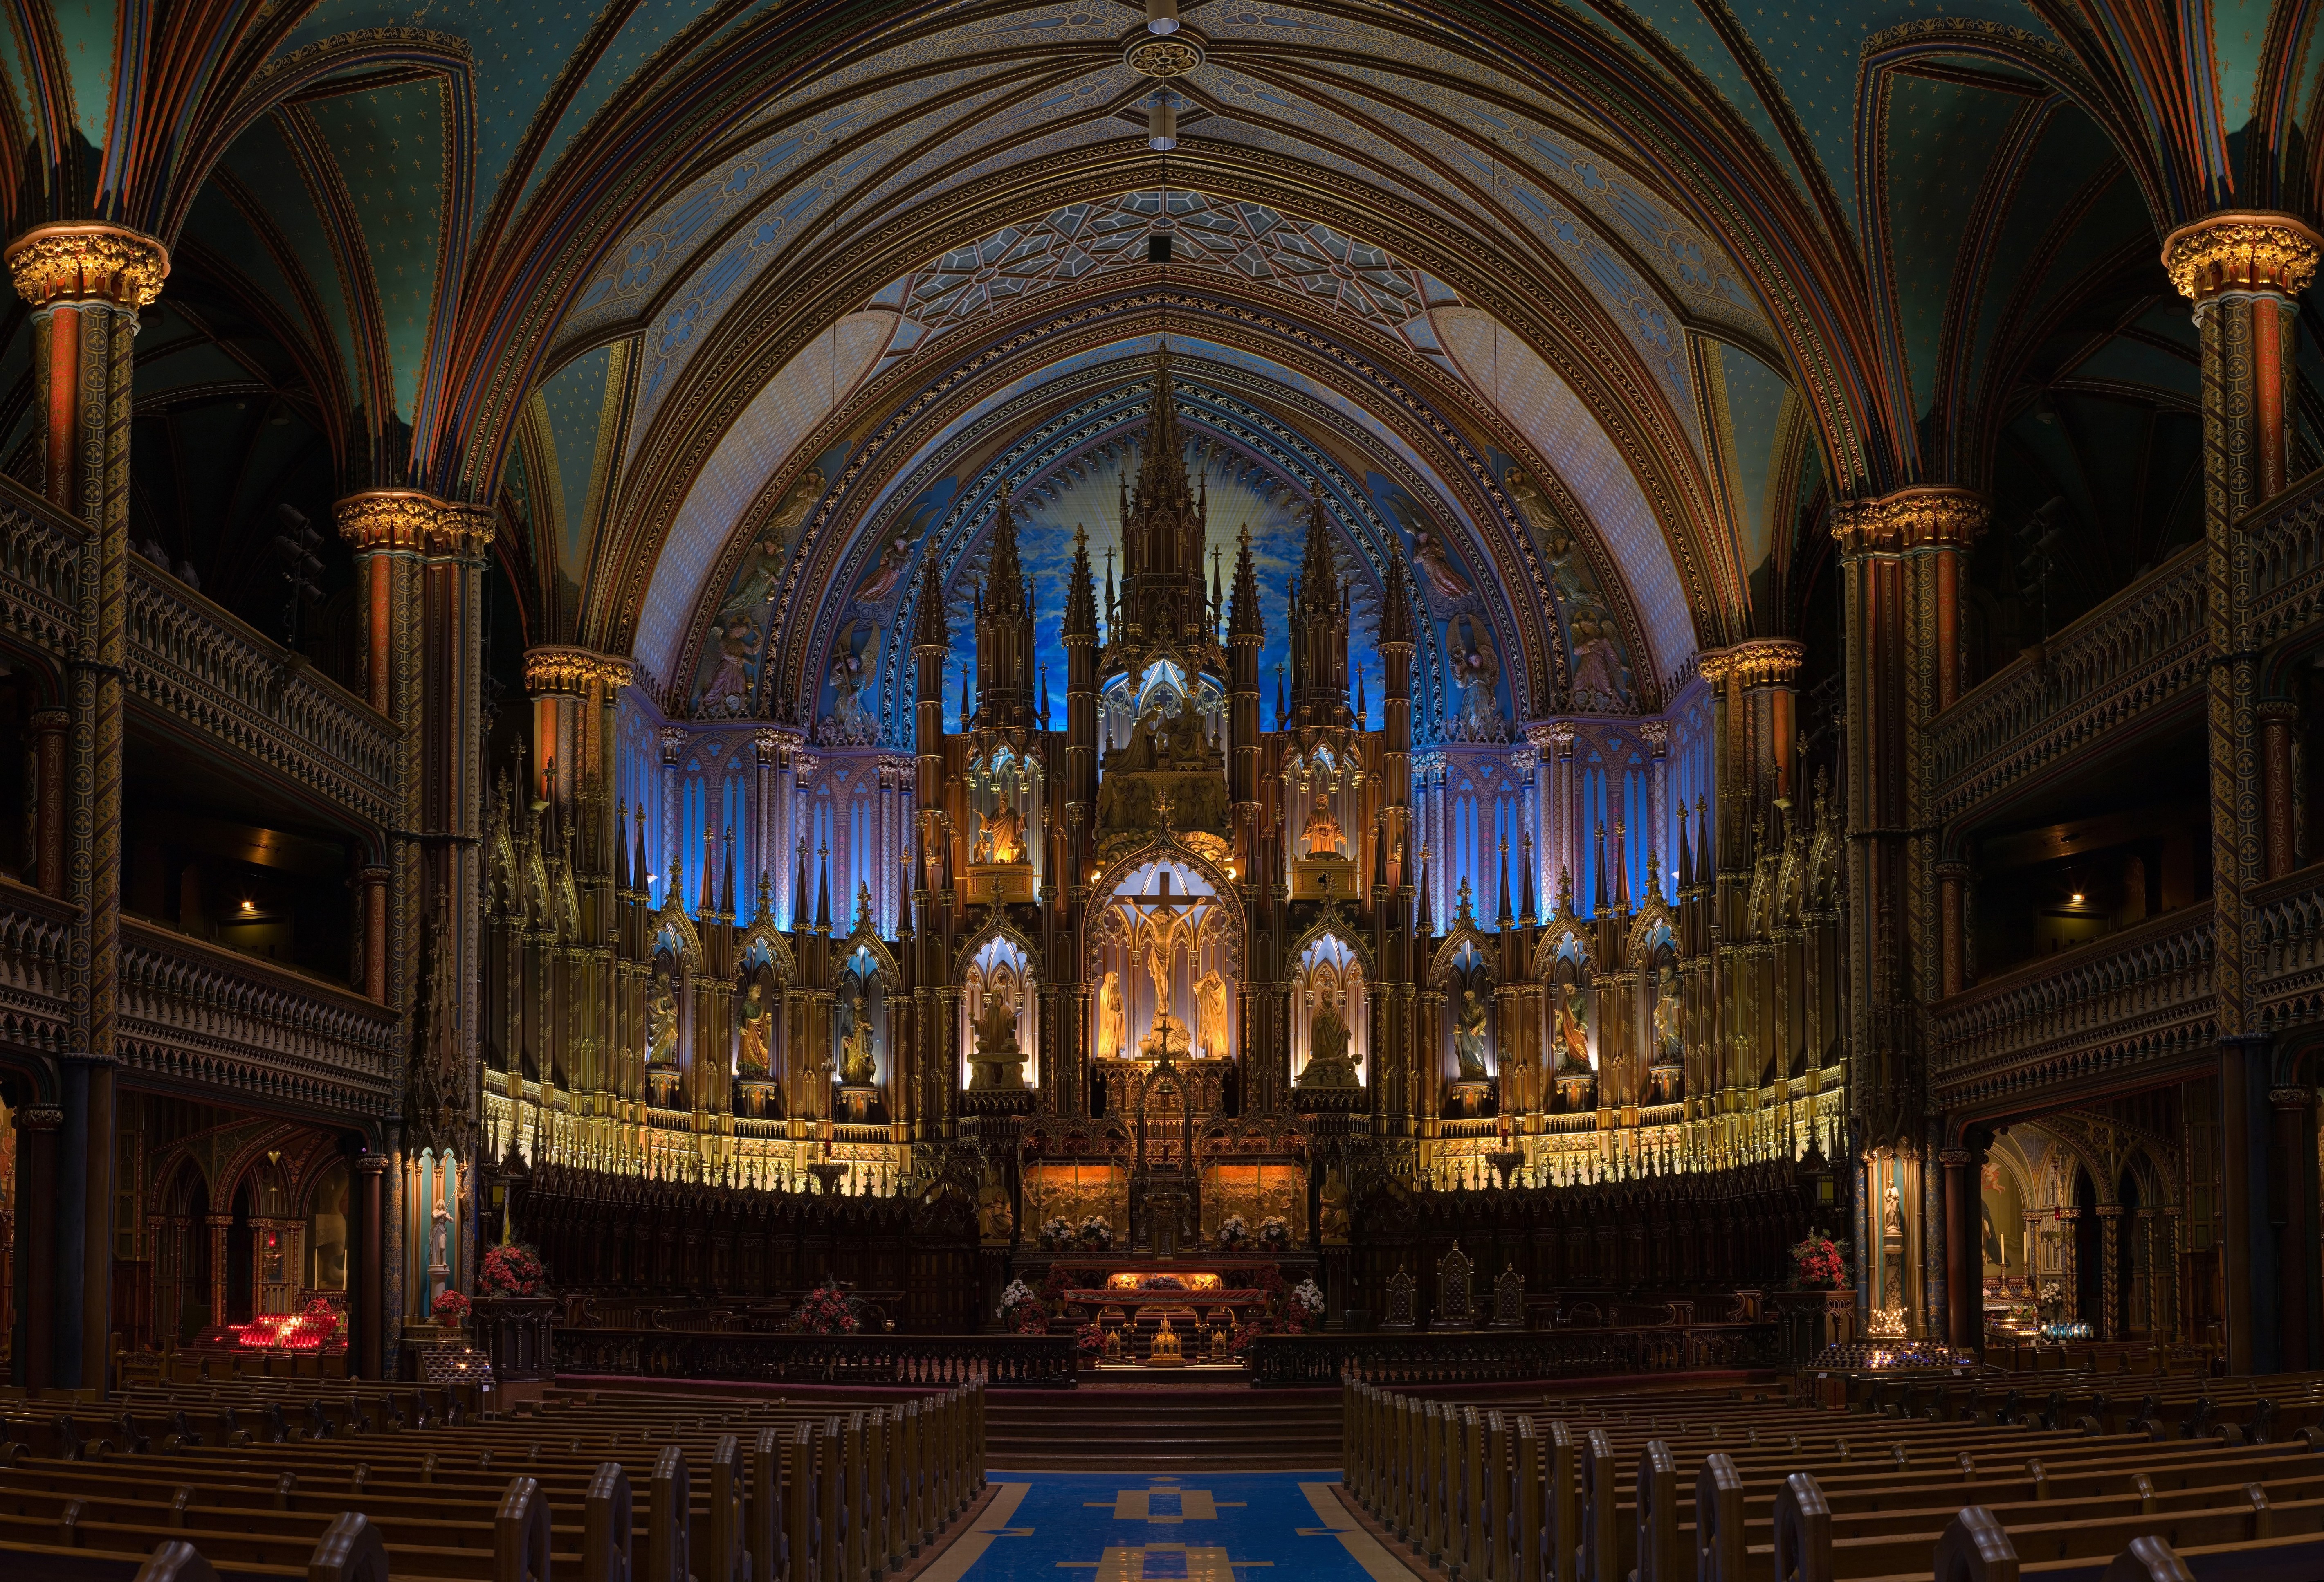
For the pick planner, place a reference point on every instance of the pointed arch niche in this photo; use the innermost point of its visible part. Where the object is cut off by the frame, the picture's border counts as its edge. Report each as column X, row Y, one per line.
column 1165, row 961
column 1331, row 968
column 1001, row 965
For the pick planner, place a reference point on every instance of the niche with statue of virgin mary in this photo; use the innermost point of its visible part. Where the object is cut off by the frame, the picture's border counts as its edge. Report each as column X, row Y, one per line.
column 860, row 1034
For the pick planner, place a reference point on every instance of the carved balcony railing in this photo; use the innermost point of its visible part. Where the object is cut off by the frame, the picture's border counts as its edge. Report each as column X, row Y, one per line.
column 2287, row 536
column 211, row 674
column 35, row 939
column 2141, row 996
column 2287, row 983
column 39, row 568
column 195, row 1012
column 2141, row 649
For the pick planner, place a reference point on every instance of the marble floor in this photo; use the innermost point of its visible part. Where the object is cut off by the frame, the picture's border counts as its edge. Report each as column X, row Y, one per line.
column 1137, row 1527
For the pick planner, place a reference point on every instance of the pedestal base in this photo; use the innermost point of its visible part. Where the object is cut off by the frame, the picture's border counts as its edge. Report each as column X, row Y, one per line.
column 758, row 1099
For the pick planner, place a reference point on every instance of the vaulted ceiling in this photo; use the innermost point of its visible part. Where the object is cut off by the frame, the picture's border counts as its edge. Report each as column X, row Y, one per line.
column 718, row 301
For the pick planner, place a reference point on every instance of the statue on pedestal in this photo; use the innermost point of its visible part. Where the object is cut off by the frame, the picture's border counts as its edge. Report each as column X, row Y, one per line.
column 1323, row 836
column 999, row 1062
column 1469, row 1037
column 754, row 1054
column 1210, row 1016
column 1113, row 1024
column 1328, row 1063
column 1001, row 838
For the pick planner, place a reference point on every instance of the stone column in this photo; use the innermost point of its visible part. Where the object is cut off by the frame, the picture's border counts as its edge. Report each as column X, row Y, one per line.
column 1952, row 923
column 2291, row 1209
column 2070, row 1263
column 1900, row 566
column 2279, row 717
column 376, row 944
column 37, row 1125
column 2110, row 1253
column 219, row 1225
column 85, row 283
column 367, row 1305
column 2244, row 273
column 1964, row 1316
column 51, row 729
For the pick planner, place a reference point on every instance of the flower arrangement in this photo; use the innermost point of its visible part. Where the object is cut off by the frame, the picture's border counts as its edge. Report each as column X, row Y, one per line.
column 827, row 1310
column 1089, row 1339
column 1056, row 1234
column 1233, row 1231
column 513, row 1270
column 1307, row 1294
column 1273, row 1231
column 1095, row 1233
column 1817, row 1264
column 450, row 1309
column 1163, row 1282
column 1023, row 1312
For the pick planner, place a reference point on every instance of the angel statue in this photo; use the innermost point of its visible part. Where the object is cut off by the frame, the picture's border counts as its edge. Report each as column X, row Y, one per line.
column 1210, row 1016
column 854, row 666
column 1469, row 1037
column 727, row 692
column 1597, row 666
column 1113, row 1024
column 1428, row 554
column 1476, row 671
column 883, row 578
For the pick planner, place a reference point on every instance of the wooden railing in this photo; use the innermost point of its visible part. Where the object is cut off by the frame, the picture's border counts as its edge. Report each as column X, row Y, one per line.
column 2142, row 649
column 210, row 673
column 196, row 1012
column 935, row 1361
column 1480, row 1356
column 2143, row 995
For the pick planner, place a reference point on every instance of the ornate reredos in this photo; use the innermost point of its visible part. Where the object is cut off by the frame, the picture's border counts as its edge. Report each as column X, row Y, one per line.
column 1104, row 926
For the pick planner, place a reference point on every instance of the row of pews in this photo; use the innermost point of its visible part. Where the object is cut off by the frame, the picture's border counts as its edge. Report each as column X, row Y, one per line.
column 339, row 1481
column 1944, row 1478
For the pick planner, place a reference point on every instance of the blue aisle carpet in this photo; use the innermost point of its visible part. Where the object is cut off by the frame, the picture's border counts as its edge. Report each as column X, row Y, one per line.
column 1137, row 1527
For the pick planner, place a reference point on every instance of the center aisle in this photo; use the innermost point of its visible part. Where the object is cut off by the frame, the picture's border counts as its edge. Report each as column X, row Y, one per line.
column 1238, row 1527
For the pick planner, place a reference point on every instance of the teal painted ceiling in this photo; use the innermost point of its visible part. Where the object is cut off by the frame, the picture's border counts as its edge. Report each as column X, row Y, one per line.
column 575, row 258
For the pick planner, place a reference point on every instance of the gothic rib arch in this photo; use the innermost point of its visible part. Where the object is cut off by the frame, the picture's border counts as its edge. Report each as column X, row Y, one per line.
column 784, row 312
column 1161, row 846
column 1048, row 427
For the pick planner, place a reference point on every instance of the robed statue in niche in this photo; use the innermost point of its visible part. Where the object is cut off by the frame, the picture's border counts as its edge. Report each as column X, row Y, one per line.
column 1572, row 1030
column 661, row 1022
column 755, row 1047
column 1112, row 1024
column 1469, row 1036
column 1668, row 1043
column 1210, row 1016
column 859, row 1052
column 1329, row 1064
column 1169, row 759
column 1002, row 837
column 1323, row 836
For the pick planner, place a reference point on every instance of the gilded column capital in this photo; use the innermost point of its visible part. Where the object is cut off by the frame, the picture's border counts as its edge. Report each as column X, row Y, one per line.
column 413, row 521
column 562, row 668
column 2277, row 709
column 2241, row 250
column 1955, row 1158
column 1927, row 516
column 1759, row 662
column 88, row 261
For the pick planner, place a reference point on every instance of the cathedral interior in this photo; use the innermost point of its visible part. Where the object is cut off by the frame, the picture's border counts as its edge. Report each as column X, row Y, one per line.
column 1500, row 662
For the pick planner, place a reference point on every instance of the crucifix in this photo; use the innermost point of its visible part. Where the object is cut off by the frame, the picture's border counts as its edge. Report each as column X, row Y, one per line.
column 1155, row 918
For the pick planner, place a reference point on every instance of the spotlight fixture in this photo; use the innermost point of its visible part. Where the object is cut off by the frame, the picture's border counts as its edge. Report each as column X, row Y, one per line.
column 2078, row 898
column 1161, row 16
column 1161, row 124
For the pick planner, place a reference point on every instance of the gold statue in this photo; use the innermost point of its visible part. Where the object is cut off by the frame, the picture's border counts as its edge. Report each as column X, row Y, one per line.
column 859, row 1060
column 1331, row 1210
column 1001, row 838
column 995, row 1223
column 758, row 1037
column 1210, row 1016
column 1573, row 1032
column 661, row 1022
column 1323, row 834
column 1113, row 1024
column 1469, row 1037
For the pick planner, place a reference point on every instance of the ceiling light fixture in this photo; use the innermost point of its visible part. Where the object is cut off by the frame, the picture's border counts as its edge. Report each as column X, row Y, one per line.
column 1161, row 124
column 2078, row 898
column 1161, row 16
